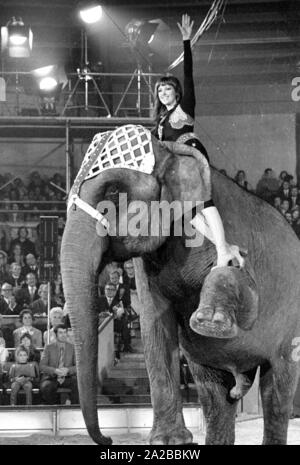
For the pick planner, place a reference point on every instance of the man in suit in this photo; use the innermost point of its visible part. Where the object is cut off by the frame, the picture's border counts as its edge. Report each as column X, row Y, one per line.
column 30, row 266
column 29, row 292
column 122, row 291
column 8, row 304
column 58, row 368
column 111, row 303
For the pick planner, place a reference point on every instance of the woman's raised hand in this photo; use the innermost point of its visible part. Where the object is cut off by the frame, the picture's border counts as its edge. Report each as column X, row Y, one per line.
column 186, row 27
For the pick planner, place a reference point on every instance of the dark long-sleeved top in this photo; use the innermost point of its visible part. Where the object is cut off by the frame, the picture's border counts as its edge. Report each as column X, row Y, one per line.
column 180, row 119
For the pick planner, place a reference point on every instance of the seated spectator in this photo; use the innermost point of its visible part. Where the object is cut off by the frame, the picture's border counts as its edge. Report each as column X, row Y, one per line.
column 29, row 291
column 58, row 368
column 56, row 318
column 277, row 202
column 129, row 282
column 16, row 255
column 27, row 246
column 284, row 191
column 6, row 331
column 40, row 306
column 4, row 267
column 240, row 179
column 288, row 217
column 8, row 303
column 4, row 354
column 285, row 206
column 4, row 243
column 268, row 185
column 31, row 265
column 282, row 177
column 122, row 292
column 34, row 355
column 22, row 374
column 104, row 275
column 15, row 277
column 26, row 318
column 57, row 292
column 110, row 303
column 294, row 197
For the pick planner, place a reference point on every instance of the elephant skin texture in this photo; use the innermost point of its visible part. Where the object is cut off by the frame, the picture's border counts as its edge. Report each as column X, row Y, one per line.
column 185, row 304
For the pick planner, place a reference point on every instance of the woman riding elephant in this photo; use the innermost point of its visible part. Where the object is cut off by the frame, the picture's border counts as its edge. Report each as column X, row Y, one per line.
column 174, row 116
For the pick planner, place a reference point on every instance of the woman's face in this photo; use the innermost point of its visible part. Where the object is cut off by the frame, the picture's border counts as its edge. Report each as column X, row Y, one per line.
column 56, row 319
column 166, row 94
column 27, row 319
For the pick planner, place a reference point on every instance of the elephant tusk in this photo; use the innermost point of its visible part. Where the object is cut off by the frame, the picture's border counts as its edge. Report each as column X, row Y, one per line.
column 75, row 200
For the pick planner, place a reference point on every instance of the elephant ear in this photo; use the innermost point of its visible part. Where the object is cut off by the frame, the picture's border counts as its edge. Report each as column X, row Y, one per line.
column 249, row 299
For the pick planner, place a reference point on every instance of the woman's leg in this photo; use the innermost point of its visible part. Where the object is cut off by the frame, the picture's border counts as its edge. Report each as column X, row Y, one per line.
column 15, row 387
column 225, row 252
column 28, row 391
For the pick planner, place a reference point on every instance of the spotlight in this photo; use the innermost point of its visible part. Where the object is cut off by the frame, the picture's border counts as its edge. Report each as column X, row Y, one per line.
column 90, row 12
column 139, row 31
column 16, row 39
column 49, row 79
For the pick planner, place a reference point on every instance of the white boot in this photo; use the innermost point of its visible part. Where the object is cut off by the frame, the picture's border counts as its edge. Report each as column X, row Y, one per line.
column 216, row 234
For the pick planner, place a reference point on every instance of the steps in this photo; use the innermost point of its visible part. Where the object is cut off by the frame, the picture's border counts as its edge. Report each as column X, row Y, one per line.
column 127, row 382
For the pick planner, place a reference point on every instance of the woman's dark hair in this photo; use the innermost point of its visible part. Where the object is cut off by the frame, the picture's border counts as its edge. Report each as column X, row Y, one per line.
column 159, row 108
column 238, row 173
column 23, row 227
column 23, row 312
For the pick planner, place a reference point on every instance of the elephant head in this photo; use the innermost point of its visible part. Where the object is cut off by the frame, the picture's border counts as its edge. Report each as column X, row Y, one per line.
column 228, row 300
column 86, row 249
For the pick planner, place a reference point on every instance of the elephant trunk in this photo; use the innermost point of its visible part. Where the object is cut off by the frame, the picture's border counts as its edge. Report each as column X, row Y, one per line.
column 82, row 252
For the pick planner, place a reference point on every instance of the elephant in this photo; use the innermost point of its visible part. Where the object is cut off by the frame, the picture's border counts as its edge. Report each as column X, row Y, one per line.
column 227, row 321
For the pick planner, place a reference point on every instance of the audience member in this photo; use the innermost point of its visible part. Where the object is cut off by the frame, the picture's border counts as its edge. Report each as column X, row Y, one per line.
column 26, row 318
column 4, row 354
column 4, row 243
column 294, row 197
column 284, row 207
column 22, row 374
column 8, row 303
column 34, row 355
column 240, row 179
column 56, row 318
column 6, row 331
column 14, row 276
column 40, row 306
column 284, row 191
column 57, row 292
column 58, row 368
column 31, row 265
column 27, row 246
column 268, row 185
column 122, row 292
column 29, row 291
column 16, row 255
column 110, row 303
column 4, row 267
column 277, row 202
column 129, row 282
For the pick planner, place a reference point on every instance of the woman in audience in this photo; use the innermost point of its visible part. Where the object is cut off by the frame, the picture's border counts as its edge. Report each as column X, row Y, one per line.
column 56, row 318
column 26, row 318
column 240, row 179
column 57, row 292
column 16, row 255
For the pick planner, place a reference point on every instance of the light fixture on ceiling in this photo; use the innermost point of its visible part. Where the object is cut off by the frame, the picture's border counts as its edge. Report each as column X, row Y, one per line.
column 16, row 39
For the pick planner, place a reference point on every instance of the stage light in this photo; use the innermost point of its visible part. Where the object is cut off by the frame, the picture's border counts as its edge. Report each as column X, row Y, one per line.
column 48, row 84
column 139, row 31
column 16, row 39
column 90, row 12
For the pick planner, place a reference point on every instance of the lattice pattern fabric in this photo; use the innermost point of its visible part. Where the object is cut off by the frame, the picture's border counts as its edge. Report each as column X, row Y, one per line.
column 127, row 147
